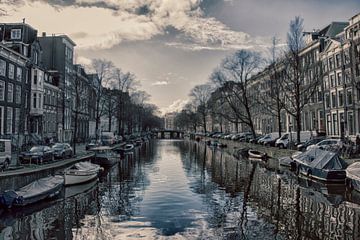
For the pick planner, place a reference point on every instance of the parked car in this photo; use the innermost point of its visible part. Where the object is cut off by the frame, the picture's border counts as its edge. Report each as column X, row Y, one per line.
column 5, row 153
column 327, row 144
column 93, row 143
column 283, row 141
column 303, row 146
column 255, row 140
column 37, row 154
column 62, row 150
column 244, row 136
column 269, row 142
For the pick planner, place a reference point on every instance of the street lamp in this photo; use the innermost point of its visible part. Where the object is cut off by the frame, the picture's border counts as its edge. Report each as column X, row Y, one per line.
column 342, row 127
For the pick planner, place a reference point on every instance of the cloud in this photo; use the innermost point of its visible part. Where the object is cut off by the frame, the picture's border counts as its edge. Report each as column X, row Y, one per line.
column 176, row 106
column 160, row 83
column 138, row 20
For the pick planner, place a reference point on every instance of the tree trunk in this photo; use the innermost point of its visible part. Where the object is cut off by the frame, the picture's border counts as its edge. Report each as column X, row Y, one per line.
column 75, row 131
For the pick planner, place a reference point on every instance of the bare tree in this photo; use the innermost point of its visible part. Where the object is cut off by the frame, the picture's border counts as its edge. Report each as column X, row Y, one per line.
column 124, row 83
column 271, row 100
column 103, row 73
column 300, row 77
column 201, row 95
column 234, row 81
column 187, row 119
column 139, row 99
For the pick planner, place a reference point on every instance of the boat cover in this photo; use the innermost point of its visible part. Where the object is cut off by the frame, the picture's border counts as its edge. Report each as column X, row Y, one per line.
column 86, row 166
column 353, row 171
column 33, row 189
column 322, row 159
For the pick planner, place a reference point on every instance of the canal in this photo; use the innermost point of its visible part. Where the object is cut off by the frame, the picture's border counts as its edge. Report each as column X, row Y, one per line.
column 172, row 189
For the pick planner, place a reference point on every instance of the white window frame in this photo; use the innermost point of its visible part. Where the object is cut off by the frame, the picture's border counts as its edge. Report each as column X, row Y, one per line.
column 11, row 71
column 10, row 94
column 2, row 67
column 9, row 120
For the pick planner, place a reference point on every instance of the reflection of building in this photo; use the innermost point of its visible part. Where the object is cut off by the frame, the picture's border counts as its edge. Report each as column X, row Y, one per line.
column 169, row 120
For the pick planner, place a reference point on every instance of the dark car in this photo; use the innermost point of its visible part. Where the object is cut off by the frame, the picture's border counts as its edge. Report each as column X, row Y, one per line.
column 303, row 146
column 93, row 143
column 62, row 150
column 37, row 154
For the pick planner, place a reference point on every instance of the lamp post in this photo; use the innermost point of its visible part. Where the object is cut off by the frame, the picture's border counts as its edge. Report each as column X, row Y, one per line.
column 342, row 128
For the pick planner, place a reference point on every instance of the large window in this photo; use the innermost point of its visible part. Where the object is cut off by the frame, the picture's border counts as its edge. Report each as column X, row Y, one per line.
column 11, row 71
column 15, row 33
column 2, row 90
column 338, row 60
column 18, row 94
column 17, row 120
column 328, row 124
column 9, row 120
column 341, row 98
column 350, row 123
column 349, row 99
column 339, row 78
column 2, row 67
column 335, row 124
column 10, row 93
column 331, row 63
column 34, row 100
column 333, row 99
column 19, row 74
column 327, row 100
column 332, row 81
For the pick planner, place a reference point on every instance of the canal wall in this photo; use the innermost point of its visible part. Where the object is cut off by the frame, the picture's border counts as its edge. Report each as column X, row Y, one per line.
column 15, row 179
column 272, row 152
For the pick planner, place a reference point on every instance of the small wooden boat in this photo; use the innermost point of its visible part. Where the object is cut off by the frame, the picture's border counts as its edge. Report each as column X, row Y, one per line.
column 81, row 172
column 38, row 190
column 257, row 154
column 127, row 148
column 105, row 156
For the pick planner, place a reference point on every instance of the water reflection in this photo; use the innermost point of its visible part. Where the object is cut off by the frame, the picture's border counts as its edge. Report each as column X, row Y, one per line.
column 184, row 190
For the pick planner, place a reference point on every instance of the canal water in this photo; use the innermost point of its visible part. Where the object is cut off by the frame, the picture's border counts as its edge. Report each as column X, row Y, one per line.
column 172, row 189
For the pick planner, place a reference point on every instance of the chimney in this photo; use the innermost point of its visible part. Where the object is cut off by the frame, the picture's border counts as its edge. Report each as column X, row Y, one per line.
column 43, row 34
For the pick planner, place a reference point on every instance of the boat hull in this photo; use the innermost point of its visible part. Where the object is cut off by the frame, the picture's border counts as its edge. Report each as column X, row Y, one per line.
column 79, row 178
column 337, row 176
column 104, row 162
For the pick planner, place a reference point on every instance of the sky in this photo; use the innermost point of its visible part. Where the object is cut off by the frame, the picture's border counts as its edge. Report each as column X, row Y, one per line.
column 171, row 45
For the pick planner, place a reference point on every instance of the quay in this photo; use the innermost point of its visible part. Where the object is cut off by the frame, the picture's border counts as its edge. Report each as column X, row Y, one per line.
column 16, row 178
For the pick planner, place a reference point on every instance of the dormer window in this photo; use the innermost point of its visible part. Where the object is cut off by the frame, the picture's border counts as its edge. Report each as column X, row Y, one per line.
column 15, row 33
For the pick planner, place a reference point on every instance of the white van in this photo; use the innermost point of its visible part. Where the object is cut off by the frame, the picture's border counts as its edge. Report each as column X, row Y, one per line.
column 5, row 153
column 283, row 141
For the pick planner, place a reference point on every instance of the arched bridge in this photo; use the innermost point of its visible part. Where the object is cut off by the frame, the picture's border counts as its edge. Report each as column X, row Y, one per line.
column 168, row 134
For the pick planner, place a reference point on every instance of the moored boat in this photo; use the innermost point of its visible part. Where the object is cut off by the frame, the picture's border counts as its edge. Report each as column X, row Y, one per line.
column 105, row 156
column 81, row 172
column 37, row 190
column 257, row 154
column 321, row 165
column 127, row 148
column 353, row 176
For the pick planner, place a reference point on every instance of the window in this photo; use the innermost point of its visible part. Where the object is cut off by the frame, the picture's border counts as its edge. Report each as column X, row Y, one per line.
column 333, row 99
column 35, row 77
column 34, row 100
column 332, row 81
column 339, row 78
column 1, row 120
column 350, row 123
column 349, row 99
column 2, row 90
column 328, row 125
column 338, row 60
column 36, row 57
column 19, row 74
column 331, row 63
column 15, row 33
column 18, row 94
column 335, row 124
column 9, row 119
column 319, row 95
column 10, row 93
column 2, row 67
column 341, row 98
column 17, row 120
column 26, row 100
column 325, row 67
column 11, row 71
column 327, row 100
column 346, row 56
column 326, row 82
